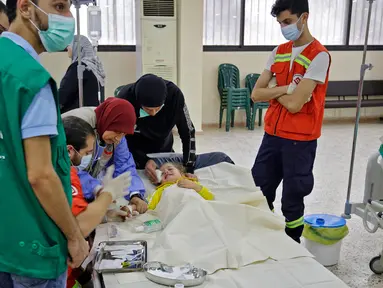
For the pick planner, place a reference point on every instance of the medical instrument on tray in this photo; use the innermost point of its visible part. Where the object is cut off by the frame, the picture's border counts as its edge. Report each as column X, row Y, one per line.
column 187, row 275
column 121, row 256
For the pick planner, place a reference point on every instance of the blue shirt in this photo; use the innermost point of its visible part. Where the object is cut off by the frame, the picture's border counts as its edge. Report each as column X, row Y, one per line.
column 41, row 116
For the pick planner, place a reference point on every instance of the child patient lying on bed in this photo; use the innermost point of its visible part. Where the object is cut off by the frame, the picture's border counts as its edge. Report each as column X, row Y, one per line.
column 172, row 174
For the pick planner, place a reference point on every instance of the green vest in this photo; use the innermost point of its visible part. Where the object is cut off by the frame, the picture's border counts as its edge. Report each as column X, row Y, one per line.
column 31, row 243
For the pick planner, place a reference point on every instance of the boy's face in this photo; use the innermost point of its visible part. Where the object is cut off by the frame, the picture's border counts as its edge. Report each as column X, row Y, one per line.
column 170, row 173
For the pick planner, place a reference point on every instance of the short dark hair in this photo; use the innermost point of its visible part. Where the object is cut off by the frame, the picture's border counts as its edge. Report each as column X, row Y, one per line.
column 3, row 8
column 77, row 131
column 12, row 8
column 297, row 7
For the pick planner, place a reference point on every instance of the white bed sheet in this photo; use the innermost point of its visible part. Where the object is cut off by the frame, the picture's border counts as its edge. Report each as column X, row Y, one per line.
column 222, row 179
column 303, row 272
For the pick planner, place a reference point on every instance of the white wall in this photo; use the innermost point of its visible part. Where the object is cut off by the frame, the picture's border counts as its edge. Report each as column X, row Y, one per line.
column 197, row 70
column 190, row 56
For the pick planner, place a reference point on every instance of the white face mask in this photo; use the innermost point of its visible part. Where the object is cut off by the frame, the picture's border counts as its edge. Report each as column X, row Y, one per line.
column 291, row 32
column 85, row 162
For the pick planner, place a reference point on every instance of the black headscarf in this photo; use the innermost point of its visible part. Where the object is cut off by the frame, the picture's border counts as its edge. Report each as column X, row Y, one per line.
column 151, row 91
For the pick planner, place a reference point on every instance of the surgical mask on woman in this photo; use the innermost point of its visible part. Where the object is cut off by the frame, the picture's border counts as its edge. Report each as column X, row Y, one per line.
column 144, row 114
column 60, row 32
column 291, row 32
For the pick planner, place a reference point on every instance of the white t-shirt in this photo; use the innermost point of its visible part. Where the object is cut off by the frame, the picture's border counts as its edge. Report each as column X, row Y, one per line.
column 318, row 68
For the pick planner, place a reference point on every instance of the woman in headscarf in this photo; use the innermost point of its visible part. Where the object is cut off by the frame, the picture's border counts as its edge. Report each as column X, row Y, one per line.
column 112, row 120
column 93, row 81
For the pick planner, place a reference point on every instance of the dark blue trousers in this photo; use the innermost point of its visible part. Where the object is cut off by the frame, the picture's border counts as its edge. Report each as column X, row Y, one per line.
column 291, row 161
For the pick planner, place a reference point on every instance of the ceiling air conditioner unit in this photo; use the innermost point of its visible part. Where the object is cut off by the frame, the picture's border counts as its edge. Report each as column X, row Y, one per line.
column 156, row 34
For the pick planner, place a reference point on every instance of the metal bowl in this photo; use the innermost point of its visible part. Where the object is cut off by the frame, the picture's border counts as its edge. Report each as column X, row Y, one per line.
column 190, row 277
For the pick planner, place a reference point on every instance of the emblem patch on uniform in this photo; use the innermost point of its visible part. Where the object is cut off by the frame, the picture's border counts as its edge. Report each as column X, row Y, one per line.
column 297, row 78
column 74, row 191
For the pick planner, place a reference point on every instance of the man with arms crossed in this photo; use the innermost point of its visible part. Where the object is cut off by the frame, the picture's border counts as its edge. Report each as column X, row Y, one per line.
column 39, row 234
column 295, row 82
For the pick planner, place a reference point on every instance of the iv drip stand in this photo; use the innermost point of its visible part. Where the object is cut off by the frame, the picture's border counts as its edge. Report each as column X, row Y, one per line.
column 364, row 67
column 80, row 67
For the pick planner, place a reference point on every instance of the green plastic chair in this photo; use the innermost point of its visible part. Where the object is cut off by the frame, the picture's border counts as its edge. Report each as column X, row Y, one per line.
column 118, row 89
column 232, row 96
column 251, row 79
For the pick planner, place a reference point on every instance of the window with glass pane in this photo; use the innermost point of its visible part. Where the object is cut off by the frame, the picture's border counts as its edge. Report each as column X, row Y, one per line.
column 359, row 22
column 118, row 22
column 327, row 22
column 222, row 22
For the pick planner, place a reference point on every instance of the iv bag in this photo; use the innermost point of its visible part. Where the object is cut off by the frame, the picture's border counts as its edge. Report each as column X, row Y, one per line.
column 94, row 23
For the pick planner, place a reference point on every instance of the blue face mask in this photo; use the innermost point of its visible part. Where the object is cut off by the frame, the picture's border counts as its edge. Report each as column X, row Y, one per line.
column 60, row 32
column 85, row 162
column 291, row 32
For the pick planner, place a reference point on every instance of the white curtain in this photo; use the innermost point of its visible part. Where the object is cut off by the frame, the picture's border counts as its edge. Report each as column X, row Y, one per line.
column 222, row 22
column 327, row 22
column 359, row 21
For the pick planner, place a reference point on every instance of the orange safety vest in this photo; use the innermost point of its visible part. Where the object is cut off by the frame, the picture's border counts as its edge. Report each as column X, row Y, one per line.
column 305, row 125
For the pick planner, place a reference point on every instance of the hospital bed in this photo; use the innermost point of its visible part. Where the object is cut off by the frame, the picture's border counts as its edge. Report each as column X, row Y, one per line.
column 298, row 269
column 371, row 209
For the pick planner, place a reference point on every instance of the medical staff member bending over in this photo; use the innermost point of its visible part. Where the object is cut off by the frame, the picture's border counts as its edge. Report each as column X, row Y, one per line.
column 43, row 237
column 81, row 140
column 294, row 120
column 112, row 120
column 4, row 23
column 160, row 106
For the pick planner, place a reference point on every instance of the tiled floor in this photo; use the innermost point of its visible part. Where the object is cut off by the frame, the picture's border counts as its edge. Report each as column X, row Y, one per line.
column 331, row 176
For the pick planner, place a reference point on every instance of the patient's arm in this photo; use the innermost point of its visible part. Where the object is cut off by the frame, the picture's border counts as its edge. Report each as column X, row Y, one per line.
column 205, row 193
column 201, row 190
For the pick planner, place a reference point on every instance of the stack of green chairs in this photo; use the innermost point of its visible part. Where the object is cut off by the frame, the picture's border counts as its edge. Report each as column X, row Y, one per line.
column 251, row 79
column 118, row 89
column 232, row 96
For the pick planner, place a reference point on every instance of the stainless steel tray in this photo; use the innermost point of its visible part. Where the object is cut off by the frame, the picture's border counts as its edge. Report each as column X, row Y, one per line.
column 109, row 249
column 163, row 274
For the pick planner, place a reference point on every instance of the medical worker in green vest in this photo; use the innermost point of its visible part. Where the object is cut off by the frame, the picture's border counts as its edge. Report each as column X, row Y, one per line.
column 38, row 234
